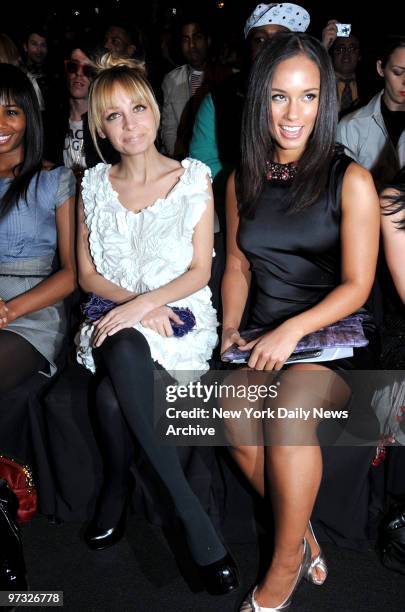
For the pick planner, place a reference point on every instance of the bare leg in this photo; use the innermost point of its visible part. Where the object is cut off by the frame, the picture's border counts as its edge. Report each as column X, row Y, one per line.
column 245, row 435
column 250, row 460
column 294, row 474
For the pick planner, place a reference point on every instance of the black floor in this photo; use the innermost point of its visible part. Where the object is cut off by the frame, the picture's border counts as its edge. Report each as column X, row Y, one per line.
column 140, row 574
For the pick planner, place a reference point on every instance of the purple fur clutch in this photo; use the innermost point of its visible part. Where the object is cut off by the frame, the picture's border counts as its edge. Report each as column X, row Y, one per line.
column 188, row 319
column 96, row 307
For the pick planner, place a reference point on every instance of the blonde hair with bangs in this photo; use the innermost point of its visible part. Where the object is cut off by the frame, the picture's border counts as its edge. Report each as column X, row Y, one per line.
column 113, row 72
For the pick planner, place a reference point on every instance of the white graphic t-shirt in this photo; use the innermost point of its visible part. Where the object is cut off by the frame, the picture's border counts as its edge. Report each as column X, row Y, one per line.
column 73, row 150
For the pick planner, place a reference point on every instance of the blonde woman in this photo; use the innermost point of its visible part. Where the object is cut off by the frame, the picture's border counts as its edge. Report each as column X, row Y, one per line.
column 145, row 241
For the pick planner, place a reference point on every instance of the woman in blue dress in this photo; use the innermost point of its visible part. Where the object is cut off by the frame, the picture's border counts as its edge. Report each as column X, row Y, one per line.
column 37, row 261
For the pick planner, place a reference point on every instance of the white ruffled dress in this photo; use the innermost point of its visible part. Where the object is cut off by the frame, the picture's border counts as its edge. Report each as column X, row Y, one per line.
column 145, row 250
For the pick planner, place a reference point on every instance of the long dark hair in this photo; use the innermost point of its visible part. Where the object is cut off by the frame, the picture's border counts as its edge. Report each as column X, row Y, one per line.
column 16, row 88
column 257, row 144
column 392, row 204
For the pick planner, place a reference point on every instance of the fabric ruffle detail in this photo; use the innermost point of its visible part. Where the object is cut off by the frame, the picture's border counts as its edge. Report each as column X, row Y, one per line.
column 145, row 250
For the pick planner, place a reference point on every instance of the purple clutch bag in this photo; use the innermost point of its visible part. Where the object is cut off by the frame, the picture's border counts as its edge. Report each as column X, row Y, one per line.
column 97, row 306
column 347, row 332
column 188, row 319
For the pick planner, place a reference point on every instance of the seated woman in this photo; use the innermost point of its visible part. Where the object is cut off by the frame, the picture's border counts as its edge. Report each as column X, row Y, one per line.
column 392, row 201
column 302, row 232
column 145, row 241
column 37, row 255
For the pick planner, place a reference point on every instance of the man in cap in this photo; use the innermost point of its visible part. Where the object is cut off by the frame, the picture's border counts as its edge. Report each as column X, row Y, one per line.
column 268, row 19
column 216, row 131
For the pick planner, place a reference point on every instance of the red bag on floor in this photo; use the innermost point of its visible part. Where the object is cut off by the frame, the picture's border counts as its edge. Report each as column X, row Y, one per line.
column 20, row 480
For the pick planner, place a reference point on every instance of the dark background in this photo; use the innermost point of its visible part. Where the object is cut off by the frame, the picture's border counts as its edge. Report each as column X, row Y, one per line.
column 386, row 17
column 152, row 16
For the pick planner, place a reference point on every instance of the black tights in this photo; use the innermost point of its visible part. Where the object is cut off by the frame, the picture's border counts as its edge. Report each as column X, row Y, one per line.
column 18, row 360
column 130, row 380
column 117, row 446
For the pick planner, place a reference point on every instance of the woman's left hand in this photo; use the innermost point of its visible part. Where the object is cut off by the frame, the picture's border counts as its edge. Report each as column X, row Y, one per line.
column 120, row 317
column 159, row 320
column 272, row 350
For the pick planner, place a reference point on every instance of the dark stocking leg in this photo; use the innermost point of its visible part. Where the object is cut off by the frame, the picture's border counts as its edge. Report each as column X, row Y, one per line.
column 18, row 360
column 126, row 356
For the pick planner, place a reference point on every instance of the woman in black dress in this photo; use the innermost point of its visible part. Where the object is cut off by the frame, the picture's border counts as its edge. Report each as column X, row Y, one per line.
column 303, row 227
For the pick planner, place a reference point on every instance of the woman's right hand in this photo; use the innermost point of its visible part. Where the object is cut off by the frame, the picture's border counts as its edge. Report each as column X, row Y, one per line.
column 121, row 317
column 230, row 336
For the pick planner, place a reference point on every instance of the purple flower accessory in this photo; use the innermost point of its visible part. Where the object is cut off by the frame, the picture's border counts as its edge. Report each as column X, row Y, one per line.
column 96, row 307
column 188, row 319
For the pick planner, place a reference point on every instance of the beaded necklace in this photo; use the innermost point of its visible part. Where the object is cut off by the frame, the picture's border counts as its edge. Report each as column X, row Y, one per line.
column 280, row 172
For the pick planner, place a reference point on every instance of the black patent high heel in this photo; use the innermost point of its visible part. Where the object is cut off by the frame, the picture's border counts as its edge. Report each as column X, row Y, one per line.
column 220, row 577
column 99, row 538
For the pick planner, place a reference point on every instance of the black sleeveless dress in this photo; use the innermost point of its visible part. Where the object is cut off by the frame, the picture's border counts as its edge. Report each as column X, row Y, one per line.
column 295, row 258
column 295, row 262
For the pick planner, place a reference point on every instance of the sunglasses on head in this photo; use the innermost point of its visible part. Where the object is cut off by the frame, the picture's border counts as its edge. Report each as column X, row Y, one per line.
column 73, row 68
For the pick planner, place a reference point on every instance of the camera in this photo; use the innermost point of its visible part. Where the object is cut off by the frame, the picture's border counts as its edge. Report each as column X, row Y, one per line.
column 343, row 29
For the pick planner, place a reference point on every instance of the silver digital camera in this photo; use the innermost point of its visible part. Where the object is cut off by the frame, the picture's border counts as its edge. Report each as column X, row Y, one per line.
column 344, row 29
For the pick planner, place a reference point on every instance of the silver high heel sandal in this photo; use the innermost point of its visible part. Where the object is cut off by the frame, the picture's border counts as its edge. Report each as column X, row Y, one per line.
column 319, row 563
column 249, row 604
